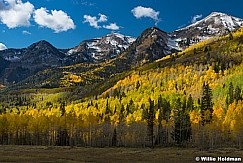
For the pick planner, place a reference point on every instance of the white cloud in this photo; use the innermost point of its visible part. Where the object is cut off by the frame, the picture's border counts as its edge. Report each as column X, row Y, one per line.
column 2, row 46
column 58, row 21
column 112, row 26
column 26, row 33
column 15, row 13
column 93, row 20
column 103, row 18
column 196, row 17
column 140, row 12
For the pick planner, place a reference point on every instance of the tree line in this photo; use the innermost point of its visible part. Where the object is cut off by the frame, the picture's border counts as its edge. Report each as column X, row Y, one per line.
column 164, row 122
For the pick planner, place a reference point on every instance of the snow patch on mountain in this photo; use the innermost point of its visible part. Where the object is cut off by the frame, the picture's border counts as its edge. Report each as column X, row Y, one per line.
column 71, row 51
column 215, row 24
column 104, row 47
column 217, row 18
column 2, row 46
column 12, row 58
column 173, row 43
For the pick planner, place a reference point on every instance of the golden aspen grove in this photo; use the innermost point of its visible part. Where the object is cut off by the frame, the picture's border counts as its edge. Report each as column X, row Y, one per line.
column 191, row 98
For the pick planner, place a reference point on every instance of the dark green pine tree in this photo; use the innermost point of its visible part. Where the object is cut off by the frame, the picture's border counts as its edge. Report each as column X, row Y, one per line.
column 237, row 94
column 160, row 102
column 176, row 134
column 190, row 105
column 151, row 120
column 186, row 130
column 206, row 104
column 182, row 125
column 107, row 112
column 149, row 116
column 184, row 104
column 166, row 109
column 122, row 114
column 230, row 94
column 131, row 107
column 127, row 109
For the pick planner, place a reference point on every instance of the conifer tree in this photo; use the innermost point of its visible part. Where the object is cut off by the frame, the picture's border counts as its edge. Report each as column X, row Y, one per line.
column 231, row 93
column 176, row 134
column 122, row 115
column 107, row 112
column 206, row 104
column 131, row 106
column 182, row 124
column 237, row 94
column 190, row 105
column 149, row 116
column 151, row 120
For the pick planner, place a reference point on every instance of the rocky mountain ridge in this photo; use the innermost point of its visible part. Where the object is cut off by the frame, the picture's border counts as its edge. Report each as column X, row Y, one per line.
column 215, row 24
column 100, row 49
column 151, row 45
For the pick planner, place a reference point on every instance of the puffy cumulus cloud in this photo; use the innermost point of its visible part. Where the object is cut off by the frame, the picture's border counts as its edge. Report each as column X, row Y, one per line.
column 93, row 20
column 15, row 13
column 140, row 12
column 196, row 17
column 112, row 26
column 58, row 21
column 2, row 46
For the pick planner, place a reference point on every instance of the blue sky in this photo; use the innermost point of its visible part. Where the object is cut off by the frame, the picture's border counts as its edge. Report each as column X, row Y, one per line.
column 65, row 23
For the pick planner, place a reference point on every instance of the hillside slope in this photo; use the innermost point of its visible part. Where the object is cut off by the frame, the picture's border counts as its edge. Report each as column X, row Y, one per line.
column 193, row 97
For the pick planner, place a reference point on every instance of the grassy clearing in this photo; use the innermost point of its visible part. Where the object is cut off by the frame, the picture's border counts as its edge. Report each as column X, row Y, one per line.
column 30, row 154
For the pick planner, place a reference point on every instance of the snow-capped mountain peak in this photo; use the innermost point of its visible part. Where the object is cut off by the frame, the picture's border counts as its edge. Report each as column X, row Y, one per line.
column 126, row 39
column 218, row 19
column 229, row 22
column 214, row 24
column 102, row 48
